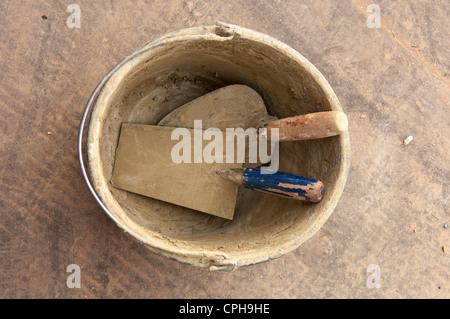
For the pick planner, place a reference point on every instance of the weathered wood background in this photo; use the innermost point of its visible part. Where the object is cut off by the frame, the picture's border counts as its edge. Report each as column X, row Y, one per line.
column 392, row 81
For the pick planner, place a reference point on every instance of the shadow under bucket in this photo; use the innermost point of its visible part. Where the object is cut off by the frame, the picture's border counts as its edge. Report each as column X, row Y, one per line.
column 177, row 68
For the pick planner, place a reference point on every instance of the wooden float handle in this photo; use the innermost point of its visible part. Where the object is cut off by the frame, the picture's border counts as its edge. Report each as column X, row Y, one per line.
column 280, row 184
column 309, row 126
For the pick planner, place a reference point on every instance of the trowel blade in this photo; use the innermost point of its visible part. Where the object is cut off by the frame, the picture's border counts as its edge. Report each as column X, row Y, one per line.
column 144, row 165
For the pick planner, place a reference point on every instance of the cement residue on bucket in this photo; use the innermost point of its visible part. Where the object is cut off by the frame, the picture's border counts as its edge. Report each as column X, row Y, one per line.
column 180, row 67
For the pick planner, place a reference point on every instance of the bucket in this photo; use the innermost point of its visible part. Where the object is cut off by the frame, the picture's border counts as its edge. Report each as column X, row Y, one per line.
column 180, row 67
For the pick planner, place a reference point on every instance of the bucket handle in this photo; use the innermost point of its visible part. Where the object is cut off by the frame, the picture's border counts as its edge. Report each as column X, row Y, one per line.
column 86, row 113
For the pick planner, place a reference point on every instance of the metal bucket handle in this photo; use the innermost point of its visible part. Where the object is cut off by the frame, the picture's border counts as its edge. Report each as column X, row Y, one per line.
column 86, row 113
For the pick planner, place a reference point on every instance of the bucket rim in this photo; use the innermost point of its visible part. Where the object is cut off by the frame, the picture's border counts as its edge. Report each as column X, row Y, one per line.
column 218, row 260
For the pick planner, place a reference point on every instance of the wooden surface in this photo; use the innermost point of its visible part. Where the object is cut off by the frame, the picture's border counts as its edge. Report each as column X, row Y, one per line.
column 392, row 81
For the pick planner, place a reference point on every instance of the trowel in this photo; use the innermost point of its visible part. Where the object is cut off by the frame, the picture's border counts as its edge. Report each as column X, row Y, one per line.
column 239, row 106
column 144, row 162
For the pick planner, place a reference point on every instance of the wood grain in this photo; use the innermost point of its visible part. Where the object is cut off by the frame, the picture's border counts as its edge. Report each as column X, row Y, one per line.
column 48, row 218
